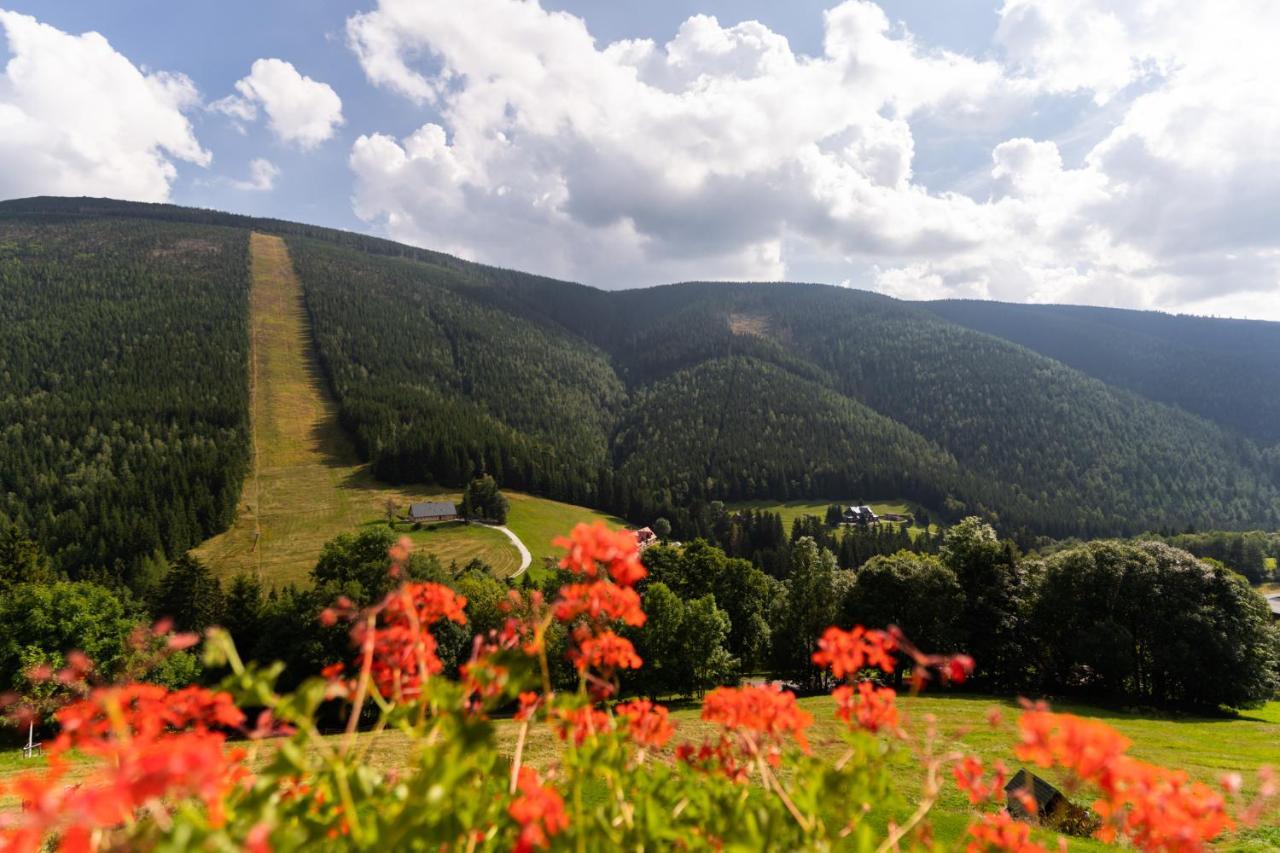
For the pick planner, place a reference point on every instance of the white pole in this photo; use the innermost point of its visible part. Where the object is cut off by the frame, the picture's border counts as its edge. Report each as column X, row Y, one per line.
column 31, row 731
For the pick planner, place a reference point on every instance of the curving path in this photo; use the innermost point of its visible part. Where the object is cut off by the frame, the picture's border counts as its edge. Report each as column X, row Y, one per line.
column 526, row 559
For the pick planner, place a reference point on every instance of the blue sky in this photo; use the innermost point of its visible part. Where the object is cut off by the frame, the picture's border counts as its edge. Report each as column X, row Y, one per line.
column 1025, row 150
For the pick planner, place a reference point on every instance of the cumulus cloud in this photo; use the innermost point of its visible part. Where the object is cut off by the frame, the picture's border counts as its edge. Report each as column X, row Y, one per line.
column 299, row 110
column 78, row 118
column 724, row 153
column 633, row 160
column 262, row 177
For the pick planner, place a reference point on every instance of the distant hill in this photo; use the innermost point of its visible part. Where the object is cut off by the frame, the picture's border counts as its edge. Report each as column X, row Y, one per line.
column 1227, row 371
column 649, row 402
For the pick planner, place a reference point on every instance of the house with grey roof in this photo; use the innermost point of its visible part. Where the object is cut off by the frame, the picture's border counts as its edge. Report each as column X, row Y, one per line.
column 432, row 511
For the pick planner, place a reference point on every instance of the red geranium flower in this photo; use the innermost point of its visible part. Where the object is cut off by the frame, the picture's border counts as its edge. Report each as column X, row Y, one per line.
column 648, row 723
column 590, row 545
column 867, row 706
column 539, row 810
column 847, row 652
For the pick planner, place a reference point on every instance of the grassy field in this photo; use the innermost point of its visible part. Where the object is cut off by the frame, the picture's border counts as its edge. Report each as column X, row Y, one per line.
column 307, row 484
column 792, row 510
column 1204, row 747
column 537, row 521
column 457, row 542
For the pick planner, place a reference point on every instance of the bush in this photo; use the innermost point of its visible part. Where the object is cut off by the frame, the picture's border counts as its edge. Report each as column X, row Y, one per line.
column 1153, row 623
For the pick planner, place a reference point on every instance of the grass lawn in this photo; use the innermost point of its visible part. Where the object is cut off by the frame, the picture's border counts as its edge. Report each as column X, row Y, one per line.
column 458, row 542
column 537, row 521
column 791, row 510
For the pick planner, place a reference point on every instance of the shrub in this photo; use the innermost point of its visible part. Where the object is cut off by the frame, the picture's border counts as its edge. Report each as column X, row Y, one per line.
column 164, row 774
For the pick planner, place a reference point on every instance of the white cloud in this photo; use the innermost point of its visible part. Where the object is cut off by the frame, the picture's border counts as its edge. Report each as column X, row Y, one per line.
column 299, row 110
column 632, row 161
column 262, row 177
column 725, row 154
column 78, row 118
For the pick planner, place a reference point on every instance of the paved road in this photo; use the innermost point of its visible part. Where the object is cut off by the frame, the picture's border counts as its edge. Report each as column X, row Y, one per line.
column 526, row 559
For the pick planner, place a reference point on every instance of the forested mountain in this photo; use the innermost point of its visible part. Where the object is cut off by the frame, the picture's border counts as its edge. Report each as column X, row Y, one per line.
column 1227, row 371
column 123, row 394
column 739, row 428
column 643, row 402
column 437, row 376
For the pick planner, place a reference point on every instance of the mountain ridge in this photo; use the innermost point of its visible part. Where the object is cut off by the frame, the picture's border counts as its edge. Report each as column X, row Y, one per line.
column 443, row 367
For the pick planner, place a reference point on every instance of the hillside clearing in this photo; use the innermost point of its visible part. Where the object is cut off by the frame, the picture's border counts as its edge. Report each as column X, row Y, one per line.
column 307, row 483
column 537, row 521
column 791, row 510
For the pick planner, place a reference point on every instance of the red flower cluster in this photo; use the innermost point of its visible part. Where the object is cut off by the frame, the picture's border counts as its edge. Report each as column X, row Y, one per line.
column 539, row 810
column 582, row 723
column 765, row 709
column 867, row 706
column 529, row 702
column 593, row 552
column 847, row 652
column 154, row 748
column 483, row 679
column 648, row 723
column 1153, row 807
column 970, row 777
column 132, row 712
column 591, row 545
column 402, row 646
column 1001, row 832
column 603, row 652
column 599, row 601
column 521, row 628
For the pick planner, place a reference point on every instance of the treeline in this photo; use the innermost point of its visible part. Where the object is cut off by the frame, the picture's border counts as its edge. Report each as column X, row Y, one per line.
column 1106, row 620
column 1110, row 620
column 1251, row 553
column 123, row 392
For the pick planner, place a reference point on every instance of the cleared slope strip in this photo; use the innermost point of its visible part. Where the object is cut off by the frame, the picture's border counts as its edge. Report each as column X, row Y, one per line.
column 307, row 483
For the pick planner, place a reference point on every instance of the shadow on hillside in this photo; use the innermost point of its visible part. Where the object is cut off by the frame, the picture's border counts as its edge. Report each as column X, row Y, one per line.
column 328, row 438
column 1101, row 709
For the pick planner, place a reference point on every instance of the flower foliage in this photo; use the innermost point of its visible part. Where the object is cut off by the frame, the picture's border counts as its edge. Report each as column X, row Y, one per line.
column 162, row 774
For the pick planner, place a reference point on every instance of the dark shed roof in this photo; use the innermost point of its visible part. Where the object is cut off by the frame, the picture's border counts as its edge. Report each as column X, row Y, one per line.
column 1045, row 794
column 431, row 508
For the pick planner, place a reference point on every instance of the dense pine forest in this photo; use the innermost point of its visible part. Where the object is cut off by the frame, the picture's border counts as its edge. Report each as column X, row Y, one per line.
column 1224, row 370
column 124, row 352
column 123, row 391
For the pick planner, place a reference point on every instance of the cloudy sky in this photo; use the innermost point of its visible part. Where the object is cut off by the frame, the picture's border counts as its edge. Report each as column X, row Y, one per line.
column 1082, row 151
